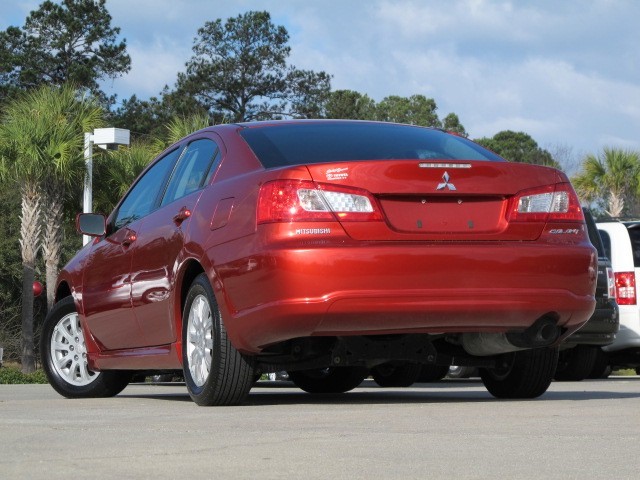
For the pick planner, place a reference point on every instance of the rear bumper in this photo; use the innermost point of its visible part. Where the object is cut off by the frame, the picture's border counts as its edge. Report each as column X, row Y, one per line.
column 629, row 334
column 600, row 329
column 404, row 288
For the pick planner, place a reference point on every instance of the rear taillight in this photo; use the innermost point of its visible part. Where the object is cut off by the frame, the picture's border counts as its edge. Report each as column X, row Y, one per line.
column 551, row 203
column 306, row 201
column 625, row 284
column 611, row 283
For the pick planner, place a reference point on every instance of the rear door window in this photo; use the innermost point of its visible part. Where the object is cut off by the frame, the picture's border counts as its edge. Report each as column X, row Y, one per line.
column 193, row 170
column 606, row 243
column 594, row 236
column 634, row 235
column 143, row 197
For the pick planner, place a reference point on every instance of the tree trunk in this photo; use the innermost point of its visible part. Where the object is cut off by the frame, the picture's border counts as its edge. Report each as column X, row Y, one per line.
column 615, row 205
column 53, row 237
column 29, row 245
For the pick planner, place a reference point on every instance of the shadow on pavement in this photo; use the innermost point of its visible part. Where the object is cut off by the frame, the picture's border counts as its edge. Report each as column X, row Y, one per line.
column 449, row 391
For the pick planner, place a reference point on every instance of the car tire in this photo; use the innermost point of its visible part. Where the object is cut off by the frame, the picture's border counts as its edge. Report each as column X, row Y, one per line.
column 458, row 371
column 64, row 357
column 524, row 374
column 396, row 374
column 214, row 371
column 575, row 364
column 601, row 367
column 329, row 380
column 432, row 373
column 162, row 378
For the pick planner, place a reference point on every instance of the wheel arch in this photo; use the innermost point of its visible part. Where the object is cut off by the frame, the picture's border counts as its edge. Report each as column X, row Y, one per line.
column 63, row 290
column 190, row 270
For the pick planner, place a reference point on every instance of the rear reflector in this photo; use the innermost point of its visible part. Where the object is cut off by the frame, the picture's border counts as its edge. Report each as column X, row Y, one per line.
column 306, row 201
column 546, row 204
column 625, row 288
column 611, row 283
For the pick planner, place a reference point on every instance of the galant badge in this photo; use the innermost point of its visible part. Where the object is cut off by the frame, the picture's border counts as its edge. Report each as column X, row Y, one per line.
column 446, row 183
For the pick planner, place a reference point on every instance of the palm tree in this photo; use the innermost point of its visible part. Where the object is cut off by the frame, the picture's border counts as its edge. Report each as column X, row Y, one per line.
column 179, row 127
column 115, row 171
column 41, row 136
column 611, row 177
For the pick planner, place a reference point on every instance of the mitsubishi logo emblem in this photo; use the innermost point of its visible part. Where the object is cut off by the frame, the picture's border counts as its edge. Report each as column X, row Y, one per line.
column 446, row 183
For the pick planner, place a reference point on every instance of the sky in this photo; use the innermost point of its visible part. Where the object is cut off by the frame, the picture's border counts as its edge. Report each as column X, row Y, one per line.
column 567, row 72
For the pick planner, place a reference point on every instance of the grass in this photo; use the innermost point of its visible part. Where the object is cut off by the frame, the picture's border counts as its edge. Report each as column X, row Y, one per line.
column 624, row 373
column 11, row 375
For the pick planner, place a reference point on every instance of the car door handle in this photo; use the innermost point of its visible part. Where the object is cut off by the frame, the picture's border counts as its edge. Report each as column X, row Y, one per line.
column 181, row 216
column 129, row 238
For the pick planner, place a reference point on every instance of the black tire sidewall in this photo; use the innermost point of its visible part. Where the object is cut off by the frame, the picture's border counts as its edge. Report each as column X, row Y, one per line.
column 199, row 287
column 336, row 380
column 396, row 375
column 104, row 385
column 528, row 376
column 575, row 364
column 432, row 373
column 232, row 374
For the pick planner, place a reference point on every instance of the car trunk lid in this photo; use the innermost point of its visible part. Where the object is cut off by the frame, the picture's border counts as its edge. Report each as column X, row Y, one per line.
column 439, row 200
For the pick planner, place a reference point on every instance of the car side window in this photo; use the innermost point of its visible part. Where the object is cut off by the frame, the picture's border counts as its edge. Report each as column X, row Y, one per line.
column 191, row 172
column 634, row 235
column 143, row 197
column 606, row 243
column 212, row 168
column 594, row 235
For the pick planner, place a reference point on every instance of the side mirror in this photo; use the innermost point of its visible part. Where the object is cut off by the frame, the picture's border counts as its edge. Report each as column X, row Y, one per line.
column 92, row 224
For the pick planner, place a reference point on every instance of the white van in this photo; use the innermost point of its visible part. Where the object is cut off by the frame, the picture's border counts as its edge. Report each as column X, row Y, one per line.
column 621, row 241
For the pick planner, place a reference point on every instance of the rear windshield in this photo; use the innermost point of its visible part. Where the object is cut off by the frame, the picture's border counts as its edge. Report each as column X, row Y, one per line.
column 606, row 243
column 306, row 143
column 594, row 235
column 634, row 235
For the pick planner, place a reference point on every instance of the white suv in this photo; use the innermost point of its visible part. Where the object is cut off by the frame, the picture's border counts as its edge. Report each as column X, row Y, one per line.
column 621, row 241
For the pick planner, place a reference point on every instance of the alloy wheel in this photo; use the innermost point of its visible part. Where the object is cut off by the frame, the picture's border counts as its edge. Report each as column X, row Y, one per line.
column 69, row 352
column 199, row 340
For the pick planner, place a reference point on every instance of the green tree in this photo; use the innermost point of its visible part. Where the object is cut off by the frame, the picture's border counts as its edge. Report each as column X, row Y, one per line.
column 71, row 41
column 115, row 170
column 179, row 127
column 150, row 117
column 414, row 110
column 10, row 271
column 41, row 139
column 141, row 116
column 308, row 93
column 451, row 123
column 349, row 104
column 611, row 178
column 518, row 147
column 239, row 72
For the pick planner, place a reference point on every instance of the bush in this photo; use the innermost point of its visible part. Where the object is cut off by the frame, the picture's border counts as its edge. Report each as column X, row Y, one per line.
column 13, row 375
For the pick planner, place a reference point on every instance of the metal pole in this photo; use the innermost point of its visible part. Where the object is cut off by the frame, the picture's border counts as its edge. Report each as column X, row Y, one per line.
column 87, row 202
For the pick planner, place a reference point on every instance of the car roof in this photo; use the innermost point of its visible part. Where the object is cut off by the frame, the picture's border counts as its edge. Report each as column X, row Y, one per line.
column 303, row 121
column 628, row 222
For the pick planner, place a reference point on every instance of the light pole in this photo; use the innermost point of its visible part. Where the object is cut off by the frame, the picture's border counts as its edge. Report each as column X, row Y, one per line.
column 109, row 139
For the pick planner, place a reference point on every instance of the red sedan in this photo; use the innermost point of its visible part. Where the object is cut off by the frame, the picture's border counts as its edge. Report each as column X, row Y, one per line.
column 332, row 250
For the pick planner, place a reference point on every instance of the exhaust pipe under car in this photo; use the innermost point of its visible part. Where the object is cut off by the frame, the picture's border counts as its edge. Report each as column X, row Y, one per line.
column 543, row 333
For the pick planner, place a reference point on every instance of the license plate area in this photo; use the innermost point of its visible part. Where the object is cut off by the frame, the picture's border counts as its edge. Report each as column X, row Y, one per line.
column 450, row 214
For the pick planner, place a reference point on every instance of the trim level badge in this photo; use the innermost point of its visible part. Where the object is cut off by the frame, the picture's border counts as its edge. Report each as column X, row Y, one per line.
column 446, row 183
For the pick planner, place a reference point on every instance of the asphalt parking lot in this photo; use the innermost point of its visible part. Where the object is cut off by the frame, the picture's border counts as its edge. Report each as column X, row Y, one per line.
column 451, row 429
